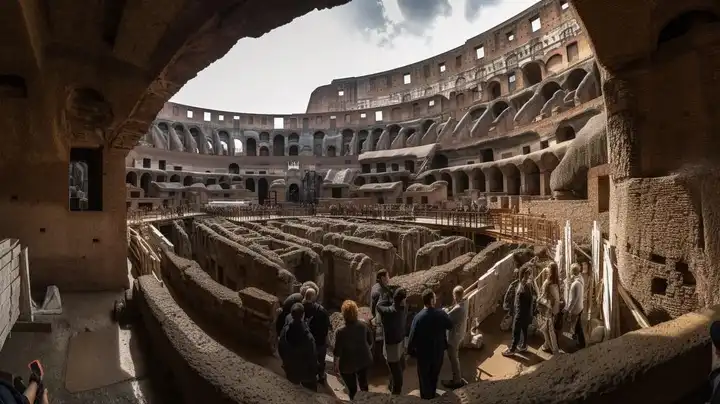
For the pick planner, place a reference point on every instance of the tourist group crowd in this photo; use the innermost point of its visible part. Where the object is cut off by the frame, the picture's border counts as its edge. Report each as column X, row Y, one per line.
column 303, row 325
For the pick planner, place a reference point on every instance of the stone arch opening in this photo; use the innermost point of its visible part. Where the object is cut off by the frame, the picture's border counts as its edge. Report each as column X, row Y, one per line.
column 362, row 138
column 250, row 184
column 175, row 178
column 686, row 23
column 293, row 138
column 293, row 150
column 531, row 178
column 438, row 161
column 494, row 91
column 187, row 181
column 574, row 78
column 224, row 185
column 494, row 178
column 224, row 143
column 448, row 178
column 478, row 180
column 410, row 165
column 463, row 181
column 238, row 147
column 262, row 190
column 476, row 113
column 210, row 147
column 564, row 133
column 264, row 151
column 376, row 138
column 394, row 132
column 386, row 179
column 513, row 182
column 251, row 147
column 279, row 145
column 294, row 193
column 373, row 180
column 459, row 82
column 426, row 125
column 331, row 152
column 145, row 181
column 428, row 180
column 554, row 64
column 498, row 108
column 318, row 143
column 234, row 169
column 131, row 178
column 163, row 127
column 532, row 74
column 264, row 137
column 347, row 138
column 198, row 138
column 359, row 181
column 522, row 99
column 549, row 89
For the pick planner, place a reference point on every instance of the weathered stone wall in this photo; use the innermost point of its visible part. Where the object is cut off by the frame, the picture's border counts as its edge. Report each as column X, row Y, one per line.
column 667, row 246
column 347, row 275
column 491, row 288
column 484, row 261
column 382, row 253
column 247, row 315
column 441, row 279
column 238, row 266
column 10, row 250
column 442, row 251
column 281, row 235
column 180, row 239
column 202, row 369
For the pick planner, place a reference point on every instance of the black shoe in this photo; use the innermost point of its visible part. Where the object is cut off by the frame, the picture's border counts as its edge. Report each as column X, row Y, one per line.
column 508, row 353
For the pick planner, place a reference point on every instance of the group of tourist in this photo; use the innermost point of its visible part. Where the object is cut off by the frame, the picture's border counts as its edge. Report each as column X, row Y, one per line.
column 523, row 305
column 303, row 325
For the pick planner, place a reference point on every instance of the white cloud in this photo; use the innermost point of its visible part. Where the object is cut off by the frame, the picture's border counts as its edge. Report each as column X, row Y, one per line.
column 276, row 73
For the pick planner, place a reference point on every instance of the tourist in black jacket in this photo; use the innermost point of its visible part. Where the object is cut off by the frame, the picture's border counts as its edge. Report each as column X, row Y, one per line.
column 318, row 320
column 297, row 350
column 284, row 311
column 524, row 311
column 393, row 316
column 428, row 342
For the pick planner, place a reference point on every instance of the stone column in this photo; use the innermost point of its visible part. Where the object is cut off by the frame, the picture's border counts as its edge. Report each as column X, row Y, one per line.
column 545, row 183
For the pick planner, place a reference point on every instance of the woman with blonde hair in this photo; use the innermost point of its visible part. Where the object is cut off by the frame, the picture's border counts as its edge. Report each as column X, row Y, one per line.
column 549, row 305
column 353, row 349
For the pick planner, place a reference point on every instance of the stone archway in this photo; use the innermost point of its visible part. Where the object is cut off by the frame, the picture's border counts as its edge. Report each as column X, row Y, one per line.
column 279, row 145
column 262, row 190
column 250, row 184
column 293, row 193
column 448, row 178
column 131, row 178
column 293, row 150
column 145, row 181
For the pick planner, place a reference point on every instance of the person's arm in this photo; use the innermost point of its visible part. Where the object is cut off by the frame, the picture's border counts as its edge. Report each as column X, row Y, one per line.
column 368, row 335
column 412, row 342
column 447, row 322
column 337, row 349
column 374, row 298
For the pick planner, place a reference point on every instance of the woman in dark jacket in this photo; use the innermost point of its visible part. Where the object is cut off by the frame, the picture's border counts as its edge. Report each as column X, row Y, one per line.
column 297, row 350
column 353, row 349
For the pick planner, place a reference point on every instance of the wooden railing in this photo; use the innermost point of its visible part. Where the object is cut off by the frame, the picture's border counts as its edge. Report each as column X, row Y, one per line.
column 516, row 227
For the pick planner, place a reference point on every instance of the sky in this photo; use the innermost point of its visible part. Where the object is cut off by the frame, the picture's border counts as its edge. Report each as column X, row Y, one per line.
column 276, row 73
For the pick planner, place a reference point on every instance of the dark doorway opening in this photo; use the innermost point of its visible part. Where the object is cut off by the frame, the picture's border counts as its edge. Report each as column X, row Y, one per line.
column 294, row 193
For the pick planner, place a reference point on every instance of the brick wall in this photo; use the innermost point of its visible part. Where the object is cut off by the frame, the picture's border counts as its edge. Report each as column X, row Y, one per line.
column 9, row 286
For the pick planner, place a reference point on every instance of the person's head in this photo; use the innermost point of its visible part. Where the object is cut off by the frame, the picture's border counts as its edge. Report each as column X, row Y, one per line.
column 382, row 277
column 310, row 295
column 516, row 271
column 428, row 297
column 349, row 310
column 297, row 312
column 715, row 336
column 552, row 273
column 399, row 296
column 575, row 269
column 307, row 285
column 458, row 293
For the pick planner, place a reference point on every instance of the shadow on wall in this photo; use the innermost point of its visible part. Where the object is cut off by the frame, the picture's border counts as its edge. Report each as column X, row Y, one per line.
column 664, row 364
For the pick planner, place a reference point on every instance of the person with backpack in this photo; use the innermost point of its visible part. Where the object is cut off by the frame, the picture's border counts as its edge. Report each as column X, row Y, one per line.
column 318, row 321
column 297, row 350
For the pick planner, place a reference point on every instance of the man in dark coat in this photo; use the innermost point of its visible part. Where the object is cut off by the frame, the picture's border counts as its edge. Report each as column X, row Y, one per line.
column 427, row 343
column 284, row 311
column 318, row 320
column 523, row 309
column 297, row 350
column 393, row 316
